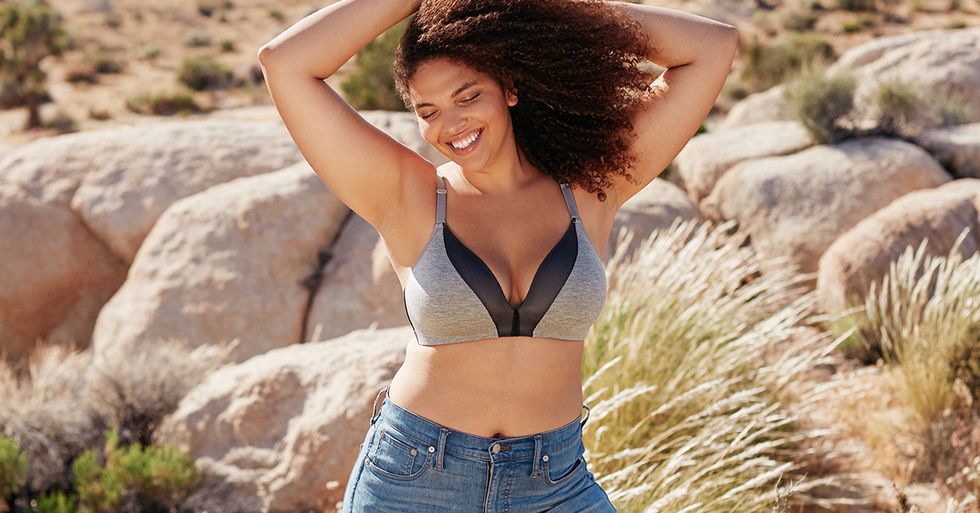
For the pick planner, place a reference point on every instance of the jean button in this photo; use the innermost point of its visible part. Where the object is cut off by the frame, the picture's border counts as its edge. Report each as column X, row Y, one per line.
column 495, row 448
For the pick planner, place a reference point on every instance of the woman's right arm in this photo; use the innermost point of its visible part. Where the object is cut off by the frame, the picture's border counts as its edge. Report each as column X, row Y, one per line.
column 363, row 166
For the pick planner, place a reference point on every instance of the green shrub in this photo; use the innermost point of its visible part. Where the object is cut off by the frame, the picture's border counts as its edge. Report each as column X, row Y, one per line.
column 853, row 25
column 197, row 38
column 203, row 73
column 949, row 107
column 56, row 502
column 823, row 104
column 13, row 467
column 29, row 32
column 159, row 476
column 227, row 45
column 372, row 85
column 798, row 20
column 276, row 14
column 107, row 64
column 766, row 65
column 857, row 5
column 899, row 106
column 164, row 104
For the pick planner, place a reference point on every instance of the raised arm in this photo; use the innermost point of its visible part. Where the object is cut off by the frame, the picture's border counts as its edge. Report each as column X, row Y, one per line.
column 360, row 164
column 698, row 54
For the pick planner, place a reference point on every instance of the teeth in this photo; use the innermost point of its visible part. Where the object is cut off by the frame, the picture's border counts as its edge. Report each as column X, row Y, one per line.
column 465, row 143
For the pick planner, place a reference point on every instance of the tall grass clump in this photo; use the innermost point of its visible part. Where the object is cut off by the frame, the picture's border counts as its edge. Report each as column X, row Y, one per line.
column 687, row 370
column 823, row 103
column 925, row 314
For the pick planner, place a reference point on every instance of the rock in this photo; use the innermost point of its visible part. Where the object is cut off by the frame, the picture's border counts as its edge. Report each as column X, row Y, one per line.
column 235, row 261
column 655, row 207
column 956, row 147
column 119, row 180
column 797, row 205
column 707, row 156
column 950, row 55
column 277, row 429
column 768, row 105
column 51, row 286
column 864, row 253
column 359, row 285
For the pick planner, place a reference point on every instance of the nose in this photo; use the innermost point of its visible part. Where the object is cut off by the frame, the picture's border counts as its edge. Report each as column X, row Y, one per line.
column 455, row 125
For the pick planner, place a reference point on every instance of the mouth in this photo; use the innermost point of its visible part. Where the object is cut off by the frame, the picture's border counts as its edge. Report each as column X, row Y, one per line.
column 467, row 144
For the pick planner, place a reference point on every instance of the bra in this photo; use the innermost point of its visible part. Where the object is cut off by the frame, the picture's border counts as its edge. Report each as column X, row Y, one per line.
column 452, row 295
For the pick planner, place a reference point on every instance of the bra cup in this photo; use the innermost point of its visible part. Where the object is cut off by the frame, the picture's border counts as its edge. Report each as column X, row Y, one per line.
column 440, row 305
column 580, row 300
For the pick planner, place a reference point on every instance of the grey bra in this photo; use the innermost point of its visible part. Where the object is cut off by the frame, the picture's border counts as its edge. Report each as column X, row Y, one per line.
column 453, row 296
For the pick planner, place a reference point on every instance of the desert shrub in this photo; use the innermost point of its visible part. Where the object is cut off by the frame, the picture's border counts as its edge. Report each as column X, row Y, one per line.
column 197, row 38
column 60, row 121
column 372, row 86
column 29, row 32
column 798, row 20
column 13, row 467
column 107, row 64
column 112, row 19
column 899, row 106
column 768, row 64
column 56, row 502
column 81, row 73
column 227, row 45
column 857, row 5
column 823, row 104
column 276, row 14
column 202, row 73
column 164, row 104
column 948, row 107
column 150, row 477
column 688, row 397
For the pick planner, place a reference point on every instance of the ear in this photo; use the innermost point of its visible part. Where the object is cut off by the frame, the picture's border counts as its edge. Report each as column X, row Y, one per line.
column 512, row 97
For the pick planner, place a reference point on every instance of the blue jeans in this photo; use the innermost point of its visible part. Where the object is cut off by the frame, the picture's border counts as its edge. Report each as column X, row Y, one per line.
column 410, row 464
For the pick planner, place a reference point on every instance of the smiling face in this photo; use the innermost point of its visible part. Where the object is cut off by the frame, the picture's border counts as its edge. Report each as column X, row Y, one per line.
column 457, row 104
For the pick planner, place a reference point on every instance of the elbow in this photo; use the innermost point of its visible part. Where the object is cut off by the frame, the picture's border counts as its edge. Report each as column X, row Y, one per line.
column 264, row 53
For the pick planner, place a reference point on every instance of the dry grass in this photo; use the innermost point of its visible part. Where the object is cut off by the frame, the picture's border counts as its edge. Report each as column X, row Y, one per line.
column 66, row 400
column 926, row 316
column 687, row 390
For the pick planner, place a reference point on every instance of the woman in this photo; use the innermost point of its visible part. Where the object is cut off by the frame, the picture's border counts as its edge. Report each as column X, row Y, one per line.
column 549, row 126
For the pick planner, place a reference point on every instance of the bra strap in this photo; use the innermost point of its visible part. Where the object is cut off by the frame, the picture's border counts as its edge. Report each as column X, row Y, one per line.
column 441, row 200
column 569, row 199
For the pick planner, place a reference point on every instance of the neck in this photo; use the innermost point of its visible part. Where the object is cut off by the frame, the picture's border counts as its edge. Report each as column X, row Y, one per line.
column 507, row 174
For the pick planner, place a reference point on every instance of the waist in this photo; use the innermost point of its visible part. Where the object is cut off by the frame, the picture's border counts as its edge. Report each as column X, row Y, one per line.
column 495, row 387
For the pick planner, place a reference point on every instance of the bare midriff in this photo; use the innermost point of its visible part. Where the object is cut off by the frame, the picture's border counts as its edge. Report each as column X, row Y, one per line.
column 499, row 387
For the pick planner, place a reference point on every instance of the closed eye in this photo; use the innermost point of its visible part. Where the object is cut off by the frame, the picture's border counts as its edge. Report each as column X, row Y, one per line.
column 467, row 100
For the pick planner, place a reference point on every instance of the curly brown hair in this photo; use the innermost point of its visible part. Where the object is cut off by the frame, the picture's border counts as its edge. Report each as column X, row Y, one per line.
column 574, row 63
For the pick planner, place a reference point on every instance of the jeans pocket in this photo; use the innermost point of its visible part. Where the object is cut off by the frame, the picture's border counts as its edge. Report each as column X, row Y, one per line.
column 396, row 456
column 563, row 465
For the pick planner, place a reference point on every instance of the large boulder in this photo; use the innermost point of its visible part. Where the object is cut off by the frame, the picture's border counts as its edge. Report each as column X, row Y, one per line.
column 768, row 105
column 280, row 432
column 864, row 253
column 706, row 157
column 655, row 207
column 797, row 205
column 950, row 55
column 118, row 181
column 234, row 261
column 359, row 287
column 956, row 147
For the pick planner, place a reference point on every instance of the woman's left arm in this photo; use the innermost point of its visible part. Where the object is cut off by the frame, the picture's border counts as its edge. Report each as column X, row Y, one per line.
column 698, row 54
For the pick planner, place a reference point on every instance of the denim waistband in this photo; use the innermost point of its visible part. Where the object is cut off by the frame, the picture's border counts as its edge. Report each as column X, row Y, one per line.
column 445, row 439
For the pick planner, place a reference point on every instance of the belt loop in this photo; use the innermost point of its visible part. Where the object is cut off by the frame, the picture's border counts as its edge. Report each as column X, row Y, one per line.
column 441, row 450
column 588, row 411
column 535, row 468
column 374, row 409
